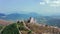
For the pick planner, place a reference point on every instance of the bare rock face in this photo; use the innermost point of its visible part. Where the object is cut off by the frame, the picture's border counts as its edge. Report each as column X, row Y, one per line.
column 31, row 20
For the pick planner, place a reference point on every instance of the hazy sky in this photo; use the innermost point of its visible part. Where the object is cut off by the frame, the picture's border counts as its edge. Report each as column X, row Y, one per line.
column 45, row 7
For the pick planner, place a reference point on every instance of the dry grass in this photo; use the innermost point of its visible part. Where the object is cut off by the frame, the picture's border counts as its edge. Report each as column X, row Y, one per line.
column 4, row 22
column 40, row 29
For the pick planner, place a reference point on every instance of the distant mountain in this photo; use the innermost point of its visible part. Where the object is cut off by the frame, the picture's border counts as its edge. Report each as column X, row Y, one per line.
column 1, row 14
column 53, row 21
column 35, row 14
column 17, row 16
column 50, row 20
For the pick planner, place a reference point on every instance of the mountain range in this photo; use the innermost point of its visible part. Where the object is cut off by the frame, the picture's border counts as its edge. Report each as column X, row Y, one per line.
column 50, row 20
column 15, row 16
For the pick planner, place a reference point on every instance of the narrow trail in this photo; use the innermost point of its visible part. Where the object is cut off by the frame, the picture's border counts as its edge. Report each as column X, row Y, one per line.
column 2, row 29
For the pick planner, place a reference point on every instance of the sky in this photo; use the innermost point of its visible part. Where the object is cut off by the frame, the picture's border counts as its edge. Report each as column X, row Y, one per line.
column 44, row 7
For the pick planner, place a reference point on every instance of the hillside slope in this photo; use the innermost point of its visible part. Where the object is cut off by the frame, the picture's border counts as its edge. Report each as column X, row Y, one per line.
column 31, row 28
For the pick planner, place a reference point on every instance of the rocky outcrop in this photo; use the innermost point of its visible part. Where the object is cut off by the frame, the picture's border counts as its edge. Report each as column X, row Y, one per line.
column 31, row 20
column 39, row 28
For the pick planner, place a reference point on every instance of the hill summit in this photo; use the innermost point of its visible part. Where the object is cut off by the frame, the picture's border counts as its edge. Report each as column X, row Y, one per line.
column 30, row 26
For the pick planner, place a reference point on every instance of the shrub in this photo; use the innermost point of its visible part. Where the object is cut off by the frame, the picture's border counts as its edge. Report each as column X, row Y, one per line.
column 10, row 29
column 29, row 32
column 1, row 27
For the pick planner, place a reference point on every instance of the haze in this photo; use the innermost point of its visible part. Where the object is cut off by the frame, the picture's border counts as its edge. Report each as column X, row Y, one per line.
column 44, row 7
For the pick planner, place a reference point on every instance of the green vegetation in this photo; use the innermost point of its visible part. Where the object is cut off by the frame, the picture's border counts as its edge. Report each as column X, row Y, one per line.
column 29, row 32
column 10, row 29
column 21, row 26
column 1, row 27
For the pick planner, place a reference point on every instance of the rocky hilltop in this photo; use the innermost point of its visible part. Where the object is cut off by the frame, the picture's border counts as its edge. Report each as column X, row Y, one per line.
column 30, row 26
